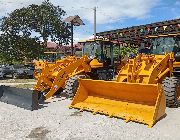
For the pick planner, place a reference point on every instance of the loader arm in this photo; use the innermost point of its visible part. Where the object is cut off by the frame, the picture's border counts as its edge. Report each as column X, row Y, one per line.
column 41, row 67
column 147, row 69
column 74, row 68
column 160, row 70
column 128, row 71
column 50, row 72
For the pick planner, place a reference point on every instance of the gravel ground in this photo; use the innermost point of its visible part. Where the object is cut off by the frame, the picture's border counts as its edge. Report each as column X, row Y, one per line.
column 56, row 122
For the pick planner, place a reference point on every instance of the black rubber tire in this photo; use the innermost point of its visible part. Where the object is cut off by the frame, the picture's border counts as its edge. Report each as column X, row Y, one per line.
column 170, row 86
column 31, row 77
column 72, row 85
column 41, row 98
column 41, row 95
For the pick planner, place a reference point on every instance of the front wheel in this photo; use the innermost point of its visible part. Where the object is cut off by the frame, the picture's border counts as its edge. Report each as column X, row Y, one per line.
column 72, row 85
column 172, row 91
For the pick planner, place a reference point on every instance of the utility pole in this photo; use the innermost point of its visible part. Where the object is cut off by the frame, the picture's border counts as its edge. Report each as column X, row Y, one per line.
column 72, row 47
column 94, row 23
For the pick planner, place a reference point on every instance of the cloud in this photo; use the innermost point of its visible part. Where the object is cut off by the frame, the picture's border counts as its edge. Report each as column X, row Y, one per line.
column 177, row 3
column 6, row 6
column 107, row 11
column 78, row 36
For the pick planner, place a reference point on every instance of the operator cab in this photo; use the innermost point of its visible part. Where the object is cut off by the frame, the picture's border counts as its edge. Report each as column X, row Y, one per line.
column 164, row 45
column 161, row 46
column 51, row 57
column 145, row 49
column 103, row 51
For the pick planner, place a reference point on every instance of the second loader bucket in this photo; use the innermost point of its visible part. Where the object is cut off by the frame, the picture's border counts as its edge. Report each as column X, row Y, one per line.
column 24, row 98
column 144, row 103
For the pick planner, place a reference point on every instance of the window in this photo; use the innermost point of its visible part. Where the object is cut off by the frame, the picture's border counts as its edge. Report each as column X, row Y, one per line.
column 163, row 45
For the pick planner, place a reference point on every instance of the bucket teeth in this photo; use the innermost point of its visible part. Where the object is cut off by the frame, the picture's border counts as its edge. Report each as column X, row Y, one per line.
column 110, row 115
column 127, row 119
column 150, row 125
column 94, row 113
column 70, row 107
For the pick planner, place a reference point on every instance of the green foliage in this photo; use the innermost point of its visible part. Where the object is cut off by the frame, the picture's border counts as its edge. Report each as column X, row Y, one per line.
column 17, row 41
column 17, row 49
column 78, row 53
column 116, row 51
column 123, row 50
column 127, row 50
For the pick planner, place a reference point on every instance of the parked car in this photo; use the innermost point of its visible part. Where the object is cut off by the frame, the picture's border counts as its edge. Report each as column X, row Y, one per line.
column 16, row 71
column 25, row 71
column 6, row 70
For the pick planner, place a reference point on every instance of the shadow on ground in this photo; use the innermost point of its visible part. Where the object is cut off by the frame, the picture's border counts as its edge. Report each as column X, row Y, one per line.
column 38, row 133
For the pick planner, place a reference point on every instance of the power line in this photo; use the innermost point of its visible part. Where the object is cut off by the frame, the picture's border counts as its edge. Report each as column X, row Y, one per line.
column 78, row 7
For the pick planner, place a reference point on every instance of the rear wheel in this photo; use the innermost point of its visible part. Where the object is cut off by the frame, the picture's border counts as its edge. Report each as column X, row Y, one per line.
column 172, row 91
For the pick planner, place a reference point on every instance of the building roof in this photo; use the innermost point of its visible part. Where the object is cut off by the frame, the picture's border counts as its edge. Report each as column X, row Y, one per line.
column 54, row 46
column 76, row 20
column 134, row 33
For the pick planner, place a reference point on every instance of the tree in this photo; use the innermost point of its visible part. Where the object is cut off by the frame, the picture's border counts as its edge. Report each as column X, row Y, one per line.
column 125, row 50
column 20, row 26
column 17, row 49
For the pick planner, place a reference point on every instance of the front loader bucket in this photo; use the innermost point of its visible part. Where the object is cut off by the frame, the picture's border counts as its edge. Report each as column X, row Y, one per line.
column 24, row 98
column 131, row 101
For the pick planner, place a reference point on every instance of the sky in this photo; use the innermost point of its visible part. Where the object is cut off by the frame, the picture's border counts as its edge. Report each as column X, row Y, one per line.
column 111, row 14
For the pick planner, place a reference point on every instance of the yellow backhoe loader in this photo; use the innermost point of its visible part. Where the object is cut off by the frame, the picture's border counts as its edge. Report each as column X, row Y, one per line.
column 143, row 88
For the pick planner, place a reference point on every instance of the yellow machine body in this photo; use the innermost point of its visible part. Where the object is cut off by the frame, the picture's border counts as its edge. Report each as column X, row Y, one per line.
column 136, row 94
column 40, row 65
column 95, row 64
column 148, row 69
column 53, row 78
